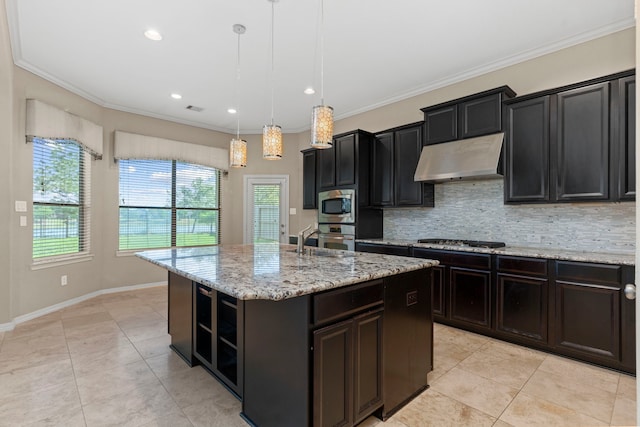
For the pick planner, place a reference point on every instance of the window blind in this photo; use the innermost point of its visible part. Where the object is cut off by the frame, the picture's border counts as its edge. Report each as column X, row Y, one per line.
column 167, row 203
column 61, row 198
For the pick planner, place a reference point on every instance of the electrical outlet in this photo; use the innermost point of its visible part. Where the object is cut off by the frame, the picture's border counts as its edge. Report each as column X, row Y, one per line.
column 63, row 280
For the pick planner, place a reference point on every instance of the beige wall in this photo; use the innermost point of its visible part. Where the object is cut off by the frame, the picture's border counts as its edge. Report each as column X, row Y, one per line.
column 6, row 217
column 24, row 290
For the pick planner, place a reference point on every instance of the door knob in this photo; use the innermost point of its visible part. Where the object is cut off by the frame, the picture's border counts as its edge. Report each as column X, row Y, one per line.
column 630, row 291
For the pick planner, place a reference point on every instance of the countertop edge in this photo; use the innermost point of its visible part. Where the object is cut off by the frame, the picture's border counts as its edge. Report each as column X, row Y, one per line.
column 548, row 253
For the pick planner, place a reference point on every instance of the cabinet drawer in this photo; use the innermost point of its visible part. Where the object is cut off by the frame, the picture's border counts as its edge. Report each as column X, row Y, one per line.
column 587, row 272
column 518, row 265
column 383, row 249
column 462, row 259
column 339, row 303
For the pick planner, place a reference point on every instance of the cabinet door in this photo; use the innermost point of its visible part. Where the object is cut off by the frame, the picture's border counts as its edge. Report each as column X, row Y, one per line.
column 309, row 192
column 527, row 151
column 382, row 171
column 480, row 116
column 326, row 164
column 522, row 307
column 588, row 310
column 345, row 160
column 470, row 296
column 367, row 364
column 438, row 292
column 333, row 375
column 407, row 147
column 441, row 125
column 181, row 315
column 627, row 164
column 583, row 143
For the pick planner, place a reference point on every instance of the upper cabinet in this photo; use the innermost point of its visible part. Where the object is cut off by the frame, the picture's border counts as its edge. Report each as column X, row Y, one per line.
column 394, row 160
column 474, row 115
column 570, row 144
column 346, row 164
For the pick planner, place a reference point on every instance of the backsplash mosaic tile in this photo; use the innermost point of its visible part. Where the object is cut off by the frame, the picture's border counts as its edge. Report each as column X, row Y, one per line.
column 475, row 210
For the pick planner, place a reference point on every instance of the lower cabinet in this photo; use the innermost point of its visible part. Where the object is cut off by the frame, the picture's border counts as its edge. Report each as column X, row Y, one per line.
column 217, row 334
column 593, row 319
column 575, row 309
column 347, row 364
column 180, row 316
column 522, row 299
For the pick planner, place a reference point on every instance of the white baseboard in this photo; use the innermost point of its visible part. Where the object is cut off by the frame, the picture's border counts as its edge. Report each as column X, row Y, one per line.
column 43, row 311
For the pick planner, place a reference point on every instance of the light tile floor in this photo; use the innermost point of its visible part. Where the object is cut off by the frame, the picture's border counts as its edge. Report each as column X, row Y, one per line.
column 106, row 361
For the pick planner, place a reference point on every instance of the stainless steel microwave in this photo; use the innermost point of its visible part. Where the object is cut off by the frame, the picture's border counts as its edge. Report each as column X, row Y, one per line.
column 337, row 206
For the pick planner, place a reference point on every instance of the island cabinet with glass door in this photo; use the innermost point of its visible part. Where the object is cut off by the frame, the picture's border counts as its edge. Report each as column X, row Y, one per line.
column 333, row 356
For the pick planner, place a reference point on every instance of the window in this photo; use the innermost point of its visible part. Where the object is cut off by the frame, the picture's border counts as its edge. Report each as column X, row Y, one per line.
column 166, row 203
column 60, row 198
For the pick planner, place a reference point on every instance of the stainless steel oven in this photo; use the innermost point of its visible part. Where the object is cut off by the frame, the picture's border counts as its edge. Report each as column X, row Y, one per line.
column 337, row 206
column 337, row 236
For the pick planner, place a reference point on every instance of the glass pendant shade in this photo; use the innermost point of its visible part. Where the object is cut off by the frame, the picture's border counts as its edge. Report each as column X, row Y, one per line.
column 322, row 126
column 271, row 142
column 238, row 153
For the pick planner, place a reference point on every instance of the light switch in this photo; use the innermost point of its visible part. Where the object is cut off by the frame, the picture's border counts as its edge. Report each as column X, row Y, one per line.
column 23, row 221
column 292, row 211
column 21, row 206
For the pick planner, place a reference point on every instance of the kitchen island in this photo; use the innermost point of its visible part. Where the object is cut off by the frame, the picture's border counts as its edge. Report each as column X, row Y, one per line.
column 324, row 338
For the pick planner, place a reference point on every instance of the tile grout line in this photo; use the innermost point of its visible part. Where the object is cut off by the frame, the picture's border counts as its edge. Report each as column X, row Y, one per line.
column 75, row 378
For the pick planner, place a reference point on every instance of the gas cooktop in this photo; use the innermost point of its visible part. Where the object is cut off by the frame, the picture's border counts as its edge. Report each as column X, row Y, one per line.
column 470, row 243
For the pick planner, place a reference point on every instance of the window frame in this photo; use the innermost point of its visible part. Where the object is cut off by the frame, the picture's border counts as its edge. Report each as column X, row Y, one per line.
column 173, row 208
column 83, row 205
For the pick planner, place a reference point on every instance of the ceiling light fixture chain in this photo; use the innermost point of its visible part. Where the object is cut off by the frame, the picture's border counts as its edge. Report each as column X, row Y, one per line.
column 272, row 134
column 322, row 115
column 238, row 147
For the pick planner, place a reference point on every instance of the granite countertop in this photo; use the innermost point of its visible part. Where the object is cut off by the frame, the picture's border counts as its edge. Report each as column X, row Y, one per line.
column 623, row 258
column 276, row 272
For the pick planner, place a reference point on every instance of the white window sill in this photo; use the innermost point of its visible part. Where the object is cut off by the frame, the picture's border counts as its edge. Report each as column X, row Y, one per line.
column 128, row 253
column 59, row 261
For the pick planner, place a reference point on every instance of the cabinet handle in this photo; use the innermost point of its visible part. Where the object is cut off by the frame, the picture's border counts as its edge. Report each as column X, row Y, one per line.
column 630, row 291
column 204, row 292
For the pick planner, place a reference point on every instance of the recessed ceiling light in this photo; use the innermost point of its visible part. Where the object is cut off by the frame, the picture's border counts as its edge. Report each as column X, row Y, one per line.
column 152, row 34
column 309, row 91
column 232, row 111
column 176, row 96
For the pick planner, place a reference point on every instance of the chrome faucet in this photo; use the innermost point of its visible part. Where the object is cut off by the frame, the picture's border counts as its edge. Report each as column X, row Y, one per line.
column 302, row 237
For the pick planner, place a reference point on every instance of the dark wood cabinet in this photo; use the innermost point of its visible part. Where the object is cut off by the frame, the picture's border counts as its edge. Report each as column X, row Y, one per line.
column 474, row 115
column 582, row 151
column 522, row 298
column 217, row 335
column 527, row 151
column 589, row 313
column 309, row 175
column 180, row 322
column 347, row 354
column 576, row 309
column 382, row 172
column 627, row 138
column 571, row 144
column 346, row 164
column 395, row 157
column 481, row 116
column 462, row 287
column 441, row 124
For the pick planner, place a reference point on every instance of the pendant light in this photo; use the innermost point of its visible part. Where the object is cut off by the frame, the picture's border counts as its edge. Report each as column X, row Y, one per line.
column 238, row 147
column 272, row 134
column 322, row 115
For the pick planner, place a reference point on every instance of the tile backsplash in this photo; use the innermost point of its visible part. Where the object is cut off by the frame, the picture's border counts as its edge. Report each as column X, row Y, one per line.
column 475, row 210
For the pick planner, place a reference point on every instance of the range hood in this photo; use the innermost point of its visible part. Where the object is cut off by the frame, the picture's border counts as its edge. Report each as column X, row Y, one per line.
column 472, row 158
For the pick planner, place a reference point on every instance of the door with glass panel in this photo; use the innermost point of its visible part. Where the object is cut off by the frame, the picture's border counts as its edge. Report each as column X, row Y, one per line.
column 266, row 209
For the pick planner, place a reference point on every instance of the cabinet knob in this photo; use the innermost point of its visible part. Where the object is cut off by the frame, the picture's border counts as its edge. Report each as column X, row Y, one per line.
column 630, row 291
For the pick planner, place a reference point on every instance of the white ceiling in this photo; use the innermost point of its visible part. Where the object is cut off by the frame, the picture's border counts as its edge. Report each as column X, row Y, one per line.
column 375, row 52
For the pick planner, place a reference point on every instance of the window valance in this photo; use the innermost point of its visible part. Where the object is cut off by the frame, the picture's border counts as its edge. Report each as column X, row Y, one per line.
column 47, row 122
column 142, row 147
